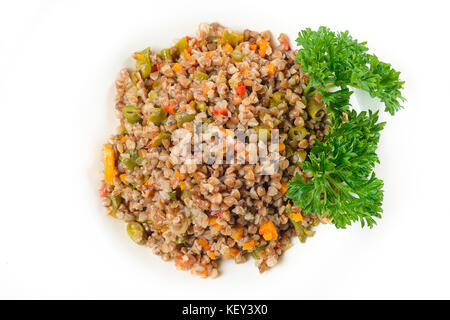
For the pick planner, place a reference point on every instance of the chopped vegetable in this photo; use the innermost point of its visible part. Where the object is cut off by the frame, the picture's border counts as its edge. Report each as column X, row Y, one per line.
column 152, row 96
column 182, row 45
column 262, row 44
column 297, row 217
column 268, row 231
column 236, row 233
column 124, row 139
column 115, row 203
column 182, row 261
column 132, row 113
column 213, row 222
column 299, row 156
column 165, row 54
column 284, row 187
column 143, row 63
column 177, row 67
column 271, row 69
column 257, row 252
column 297, row 133
column 315, row 109
column 170, row 109
column 263, row 132
column 233, row 251
column 181, row 118
column 123, row 177
column 157, row 116
column 222, row 111
column 204, row 243
column 178, row 175
column 228, row 48
column 182, row 228
column 286, row 46
column 173, row 195
column 109, row 164
column 201, row 107
column 249, row 245
column 231, row 38
column 131, row 159
column 157, row 141
column 211, row 255
column 136, row 232
column 238, row 56
column 240, row 89
column 200, row 76
column 103, row 191
column 186, row 53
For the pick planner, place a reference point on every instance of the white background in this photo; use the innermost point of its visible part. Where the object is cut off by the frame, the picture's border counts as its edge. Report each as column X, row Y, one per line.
column 58, row 62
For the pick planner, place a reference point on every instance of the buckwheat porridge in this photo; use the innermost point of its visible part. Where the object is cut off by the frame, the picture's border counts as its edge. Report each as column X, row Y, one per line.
column 188, row 208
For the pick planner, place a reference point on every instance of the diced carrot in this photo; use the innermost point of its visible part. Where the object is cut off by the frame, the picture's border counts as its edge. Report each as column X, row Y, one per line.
column 148, row 183
column 124, row 139
column 268, row 231
column 240, row 89
column 123, row 177
column 208, row 54
column 182, row 261
column 186, row 54
column 211, row 255
column 178, row 175
column 212, row 221
column 163, row 229
column 109, row 163
column 262, row 47
column 228, row 48
column 177, row 67
column 205, row 269
column 271, row 69
column 103, row 191
column 205, row 89
column 158, row 66
column 223, row 112
column 233, row 251
column 253, row 47
column 204, row 244
column 284, row 187
column 297, row 217
column 281, row 146
column 285, row 45
column 170, row 109
column 249, row 245
column 236, row 233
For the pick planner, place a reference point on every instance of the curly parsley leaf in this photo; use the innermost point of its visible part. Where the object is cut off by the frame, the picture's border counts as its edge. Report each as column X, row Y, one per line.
column 337, row 60
column 343, row 185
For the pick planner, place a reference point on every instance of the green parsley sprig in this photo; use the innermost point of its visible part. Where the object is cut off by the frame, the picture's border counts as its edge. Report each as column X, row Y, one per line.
column 343, row 185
